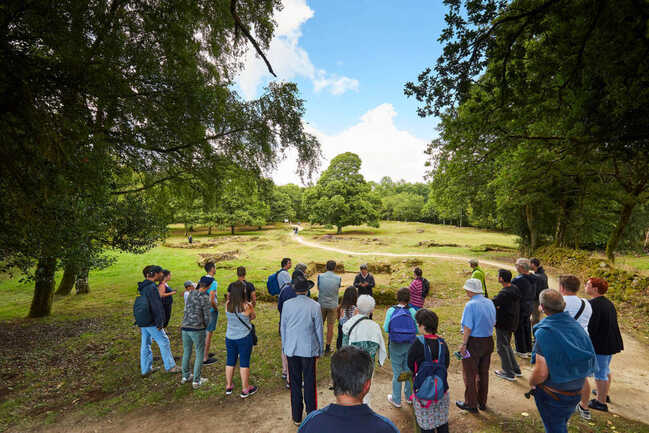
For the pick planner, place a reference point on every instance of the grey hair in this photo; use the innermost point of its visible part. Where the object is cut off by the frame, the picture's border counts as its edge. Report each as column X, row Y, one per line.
column 364, row 266
column 351, row 367
column 552, row 301
column 300, row 267
column 523, row 263
column 365, row 304
column 473, row 262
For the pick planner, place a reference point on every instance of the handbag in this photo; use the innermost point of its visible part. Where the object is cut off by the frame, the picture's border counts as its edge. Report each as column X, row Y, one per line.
column 253, row 331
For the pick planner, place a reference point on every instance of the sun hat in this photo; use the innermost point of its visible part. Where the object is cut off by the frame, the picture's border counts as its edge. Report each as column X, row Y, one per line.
column 473, row 285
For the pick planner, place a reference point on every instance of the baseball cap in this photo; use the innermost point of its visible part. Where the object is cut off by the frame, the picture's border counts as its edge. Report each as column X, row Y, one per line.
column 189, row 283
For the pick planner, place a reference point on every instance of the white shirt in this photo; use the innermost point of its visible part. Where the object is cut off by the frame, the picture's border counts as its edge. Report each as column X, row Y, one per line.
column 573, row 304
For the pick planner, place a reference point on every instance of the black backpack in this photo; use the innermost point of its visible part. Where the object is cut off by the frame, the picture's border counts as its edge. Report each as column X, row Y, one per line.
column 142, row 311
column 425, row 287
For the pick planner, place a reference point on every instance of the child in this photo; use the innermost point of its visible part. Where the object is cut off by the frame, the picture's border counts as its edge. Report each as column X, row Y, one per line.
column 346, row 310
column 189, row 286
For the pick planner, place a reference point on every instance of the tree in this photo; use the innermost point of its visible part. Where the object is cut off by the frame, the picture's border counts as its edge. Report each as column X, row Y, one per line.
column 281, row 206
column 341, row 196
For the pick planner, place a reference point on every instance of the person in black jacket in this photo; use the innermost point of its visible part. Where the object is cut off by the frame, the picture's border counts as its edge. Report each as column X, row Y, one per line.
column 541, row 285
column 364, row 281
column 507, row 303
column 526, row 283
column 154, row 330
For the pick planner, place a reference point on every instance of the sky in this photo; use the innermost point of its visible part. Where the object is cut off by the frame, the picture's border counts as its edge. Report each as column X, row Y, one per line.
column 351, row 60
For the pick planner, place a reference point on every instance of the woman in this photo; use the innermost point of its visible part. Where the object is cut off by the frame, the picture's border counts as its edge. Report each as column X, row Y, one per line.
column 238, row 339
column 166, row 294
column 346, row 310
column 417, row 290
column 605, row 335
column 434, row 418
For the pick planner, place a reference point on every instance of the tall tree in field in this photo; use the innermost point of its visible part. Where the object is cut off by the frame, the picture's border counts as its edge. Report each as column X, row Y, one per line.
column 342, row 197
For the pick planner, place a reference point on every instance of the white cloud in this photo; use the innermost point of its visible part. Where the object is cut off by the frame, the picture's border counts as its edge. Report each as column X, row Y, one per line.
column 288, row 59
column 384, row 149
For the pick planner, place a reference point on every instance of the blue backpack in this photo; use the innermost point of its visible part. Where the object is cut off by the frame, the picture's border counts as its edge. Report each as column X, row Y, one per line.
column 402, row 327
column 272, row 284
column 430, row 383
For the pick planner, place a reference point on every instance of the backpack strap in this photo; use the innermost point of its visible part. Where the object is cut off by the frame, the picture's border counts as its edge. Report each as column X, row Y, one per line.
column 354, row 325
column 581, row 309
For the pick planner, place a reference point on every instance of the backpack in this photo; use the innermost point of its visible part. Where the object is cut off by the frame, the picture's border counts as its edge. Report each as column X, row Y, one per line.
column 272, row 284
column 402, row 327
column 425, row 287
column 142, row 311
column 429, row 382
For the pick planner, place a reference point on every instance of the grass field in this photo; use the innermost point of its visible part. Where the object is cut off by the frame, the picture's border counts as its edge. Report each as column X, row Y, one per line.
column 83, row 360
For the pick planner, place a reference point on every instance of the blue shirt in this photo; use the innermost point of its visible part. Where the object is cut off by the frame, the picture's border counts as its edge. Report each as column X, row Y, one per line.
column 211, row 289
column 283, row 278
column 479, row 316
column 301, row 328
column 237, row 330
column 328, row 285
column 350, row 419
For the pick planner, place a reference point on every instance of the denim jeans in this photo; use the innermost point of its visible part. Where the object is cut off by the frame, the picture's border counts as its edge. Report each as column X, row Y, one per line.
column 399, row 361
column 197, row 340
column 146, row 356
column 555, row 413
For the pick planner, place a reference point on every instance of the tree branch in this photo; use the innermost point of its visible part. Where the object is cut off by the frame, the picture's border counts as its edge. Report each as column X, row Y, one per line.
column 152, row 184
column 238, row 25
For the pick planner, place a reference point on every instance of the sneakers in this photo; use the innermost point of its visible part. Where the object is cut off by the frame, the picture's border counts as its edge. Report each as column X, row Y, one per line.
column 184, row 380
column 608, row 398
column 501, row 374
column 518, row 374
column 397, row 405
column 584, row 413
column 297, row 423
column 174, row 370
column 595, row 404
column 462, row 405
column 251, row 391
column 201, row 381
column 209, row 361
column 228, row 391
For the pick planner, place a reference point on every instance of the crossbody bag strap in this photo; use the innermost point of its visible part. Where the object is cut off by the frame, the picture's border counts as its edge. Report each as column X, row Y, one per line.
column 244, row 323
column 581, row 309
column 354, row 325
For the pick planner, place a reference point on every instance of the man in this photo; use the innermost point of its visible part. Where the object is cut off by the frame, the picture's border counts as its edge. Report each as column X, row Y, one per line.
column 283, row 277
column 351, row 373
column 302, row 343
column 563, row 357
column 152, row 327
column 526, row 283
column 478, row 320
column 478, row 273
column 507, row 303
column 541, row 285
column 249, row 293
column 364, row 281
column 214, row 312
column 328, row 287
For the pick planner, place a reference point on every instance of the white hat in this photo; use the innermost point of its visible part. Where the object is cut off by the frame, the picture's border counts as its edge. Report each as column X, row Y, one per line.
column 473, row 285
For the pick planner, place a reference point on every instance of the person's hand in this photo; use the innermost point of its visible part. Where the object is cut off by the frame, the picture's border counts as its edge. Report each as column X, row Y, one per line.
column 463, row 349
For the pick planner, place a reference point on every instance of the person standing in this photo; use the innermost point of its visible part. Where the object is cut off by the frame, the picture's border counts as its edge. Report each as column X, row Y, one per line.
column 364, row 281
column 249, row 292
column 563, row 357
column 507, row 303
column 526, row 283
column 166, row 295
column 151, row 324
column 195, row 319
column 239, row 338
column 214, row 312
column 189, row 286
column 417, row 290
column 606, row 338
column 302, row 343
column 401, row 327
column 328, row 287
column 541, row 285
column 283, row 277
column 346, row 310
column 477, row 272
column 351, row 374
column 478, row 320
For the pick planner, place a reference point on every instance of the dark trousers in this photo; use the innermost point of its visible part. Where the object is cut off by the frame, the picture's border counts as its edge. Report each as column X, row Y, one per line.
column 441, row 429
column 302, row 369
column 504, row 347
column 523, row 335
column 475, row 370
column 339, row 339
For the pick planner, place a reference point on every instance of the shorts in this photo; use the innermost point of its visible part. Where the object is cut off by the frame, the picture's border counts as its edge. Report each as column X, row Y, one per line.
column 329, row 315
column 602, row 367
column 241, row 348
column 214, row 315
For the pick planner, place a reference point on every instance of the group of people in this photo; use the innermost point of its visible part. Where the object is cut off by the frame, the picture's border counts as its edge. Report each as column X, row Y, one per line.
column 575, row 340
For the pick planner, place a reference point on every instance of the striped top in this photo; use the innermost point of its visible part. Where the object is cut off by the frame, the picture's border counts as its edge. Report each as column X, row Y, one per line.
column 416, row 287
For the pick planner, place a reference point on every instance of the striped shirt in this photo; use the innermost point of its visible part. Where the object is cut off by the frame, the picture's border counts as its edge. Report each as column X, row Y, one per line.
column 416, row 287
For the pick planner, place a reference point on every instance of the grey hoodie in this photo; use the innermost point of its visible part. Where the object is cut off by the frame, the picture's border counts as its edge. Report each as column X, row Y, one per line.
column 197, row 311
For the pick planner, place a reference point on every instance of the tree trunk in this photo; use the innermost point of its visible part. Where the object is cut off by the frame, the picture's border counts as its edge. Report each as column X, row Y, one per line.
column 616, row 235
column 232, row 229
column 43, row 288
column 67, row 282
column 340, row 230
column 560, row 231
column 82, row 285
column 460, row 217
column 529, row 217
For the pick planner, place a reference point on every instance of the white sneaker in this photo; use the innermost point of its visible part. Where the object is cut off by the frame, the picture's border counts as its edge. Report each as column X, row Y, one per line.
column 184, row 380
column 202, row 381
column 397, row 405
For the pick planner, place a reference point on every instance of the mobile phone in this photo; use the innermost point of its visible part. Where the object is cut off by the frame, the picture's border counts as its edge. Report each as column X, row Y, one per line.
column 458, row 355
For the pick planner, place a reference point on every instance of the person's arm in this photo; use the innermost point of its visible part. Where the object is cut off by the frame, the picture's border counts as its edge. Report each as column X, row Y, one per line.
column 415, row 352
column 388, row 316
column 498, row 299
column 370, row 282
column 253, row 298
column 540, row 372
column 161, row 290
column 465, row 339
column 448, row 355
column 357, row 280
column 213, row 299
column 205, row 304
column 317, row 318
column 249, row 311
column 593, row 323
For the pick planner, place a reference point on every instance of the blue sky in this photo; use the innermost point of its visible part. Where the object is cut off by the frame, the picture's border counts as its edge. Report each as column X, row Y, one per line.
column 351, row 60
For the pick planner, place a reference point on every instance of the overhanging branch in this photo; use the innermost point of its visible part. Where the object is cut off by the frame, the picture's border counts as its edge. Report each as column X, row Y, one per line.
column 238, row 25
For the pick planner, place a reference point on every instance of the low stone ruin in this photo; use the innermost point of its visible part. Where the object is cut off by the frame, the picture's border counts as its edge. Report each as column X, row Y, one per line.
column 216, row 257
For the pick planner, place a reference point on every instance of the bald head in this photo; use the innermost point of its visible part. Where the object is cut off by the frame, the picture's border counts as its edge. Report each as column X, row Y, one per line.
column 552, row 302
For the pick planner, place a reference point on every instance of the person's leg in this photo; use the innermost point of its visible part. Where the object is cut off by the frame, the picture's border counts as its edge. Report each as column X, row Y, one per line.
column 285, row 368
column 146, row 356
column 528, row 333
column 232, row 351
column 510, row 354
column 310, row 389
column 501, row 343
column 469, row 373
column 536, row 314
column 187, row 352
column 330, row 326
column 519, row 340
column 602, row 377
column 161, row 339
column 486, row 349
column 208, row 341
column 395, row 360
column 295, row 374
column 211, row 327
column 585, row 395
column 245, row 350
column 442, row 428
column 198, row 337
column 339, row 337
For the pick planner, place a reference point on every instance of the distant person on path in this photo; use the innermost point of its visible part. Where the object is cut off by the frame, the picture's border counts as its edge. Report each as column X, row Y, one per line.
column 478, row 273
column 346, row 310
column 507, row 303
column 478, row 320
column 418, row 289
column 302, row 343
column 401, row 327
column 364, row 281
column 541, row 285
column 214, row 312
column 190, row 239
column 328, row 288
column 606, row 338
column 166, row 294
column 434, row 418
column 249, row 293
column 563, row 357
column 189, row 286
column 151, row 324
column 526, row 283
column 351, row 373
column 238, row 338
column 195, row 321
